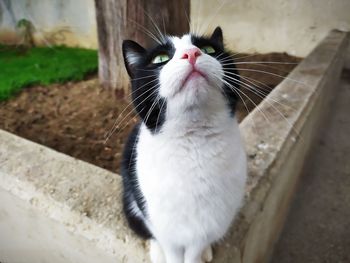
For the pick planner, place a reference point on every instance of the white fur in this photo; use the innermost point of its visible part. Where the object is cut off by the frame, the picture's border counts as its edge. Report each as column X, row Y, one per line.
column 192, row 173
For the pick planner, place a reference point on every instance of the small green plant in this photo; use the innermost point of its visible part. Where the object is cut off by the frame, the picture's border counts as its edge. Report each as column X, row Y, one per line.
column 25, row 29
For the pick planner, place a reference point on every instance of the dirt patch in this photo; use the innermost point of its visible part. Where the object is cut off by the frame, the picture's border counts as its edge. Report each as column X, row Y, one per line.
column 74, row 118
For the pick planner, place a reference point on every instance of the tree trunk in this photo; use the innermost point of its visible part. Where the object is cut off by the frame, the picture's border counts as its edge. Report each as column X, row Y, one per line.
column 118, row 20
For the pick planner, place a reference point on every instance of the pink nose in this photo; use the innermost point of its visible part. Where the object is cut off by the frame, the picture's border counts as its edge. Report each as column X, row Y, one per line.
column 191, row 54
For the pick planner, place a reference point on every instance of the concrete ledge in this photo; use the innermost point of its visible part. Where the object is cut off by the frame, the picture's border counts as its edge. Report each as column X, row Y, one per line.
column 54, row 208
column 277, row 147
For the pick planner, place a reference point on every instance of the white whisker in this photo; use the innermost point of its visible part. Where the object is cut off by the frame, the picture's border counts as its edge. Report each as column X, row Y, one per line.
column 259, row 88
column 115, row 125
column 273, row 74
column 250, row 88
column 120, row 114
column 160, row 112
column 150, row 95
column 267, row 62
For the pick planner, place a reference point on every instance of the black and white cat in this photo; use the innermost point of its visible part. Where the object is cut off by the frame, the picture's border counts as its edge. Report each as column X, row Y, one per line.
column 184, row 165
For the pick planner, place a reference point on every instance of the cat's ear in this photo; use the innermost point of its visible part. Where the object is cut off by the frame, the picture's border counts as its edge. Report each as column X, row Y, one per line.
column 217, row 36
column 132, row 53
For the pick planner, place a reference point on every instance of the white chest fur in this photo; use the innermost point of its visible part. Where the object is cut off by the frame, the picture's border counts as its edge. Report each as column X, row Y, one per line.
column 192, row 179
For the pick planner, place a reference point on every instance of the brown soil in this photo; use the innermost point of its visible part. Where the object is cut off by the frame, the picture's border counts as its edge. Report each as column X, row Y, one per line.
column 74, row 118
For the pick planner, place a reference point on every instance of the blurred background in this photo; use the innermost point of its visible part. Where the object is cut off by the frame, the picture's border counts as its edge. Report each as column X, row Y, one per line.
column 63, row 85
column 249, row 25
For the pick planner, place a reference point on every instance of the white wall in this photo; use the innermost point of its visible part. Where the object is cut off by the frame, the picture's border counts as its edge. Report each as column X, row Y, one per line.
column 56, row 21
column 295, row 26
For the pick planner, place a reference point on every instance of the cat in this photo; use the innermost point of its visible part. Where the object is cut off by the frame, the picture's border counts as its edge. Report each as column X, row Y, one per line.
column 184, row 165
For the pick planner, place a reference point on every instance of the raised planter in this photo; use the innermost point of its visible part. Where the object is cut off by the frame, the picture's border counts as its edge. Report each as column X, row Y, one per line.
column 54, row 208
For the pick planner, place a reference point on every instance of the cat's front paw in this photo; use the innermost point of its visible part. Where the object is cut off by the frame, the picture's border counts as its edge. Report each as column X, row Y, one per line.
column 207, row 255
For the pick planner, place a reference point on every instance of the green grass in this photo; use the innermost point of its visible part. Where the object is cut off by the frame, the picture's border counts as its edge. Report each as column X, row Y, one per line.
column 42, row 65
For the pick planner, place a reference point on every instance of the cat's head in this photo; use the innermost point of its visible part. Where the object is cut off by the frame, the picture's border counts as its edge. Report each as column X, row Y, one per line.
column 180, row 75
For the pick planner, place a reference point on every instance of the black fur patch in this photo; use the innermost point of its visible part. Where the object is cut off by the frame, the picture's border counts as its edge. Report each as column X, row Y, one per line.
column 132, row 192
column 144, row 82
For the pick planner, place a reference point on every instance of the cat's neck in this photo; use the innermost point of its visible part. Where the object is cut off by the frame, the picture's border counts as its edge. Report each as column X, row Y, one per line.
column 199, row 120
column 203, row 108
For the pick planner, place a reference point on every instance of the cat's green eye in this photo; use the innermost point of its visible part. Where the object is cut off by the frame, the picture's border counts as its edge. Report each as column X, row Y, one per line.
column 160, row 58
column 208, row 50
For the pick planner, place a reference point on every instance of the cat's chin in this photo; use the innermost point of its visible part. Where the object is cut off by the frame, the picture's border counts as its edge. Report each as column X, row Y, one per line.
column 193, row 78
column 195, row 87
column 195, row 81
column 195, row 94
